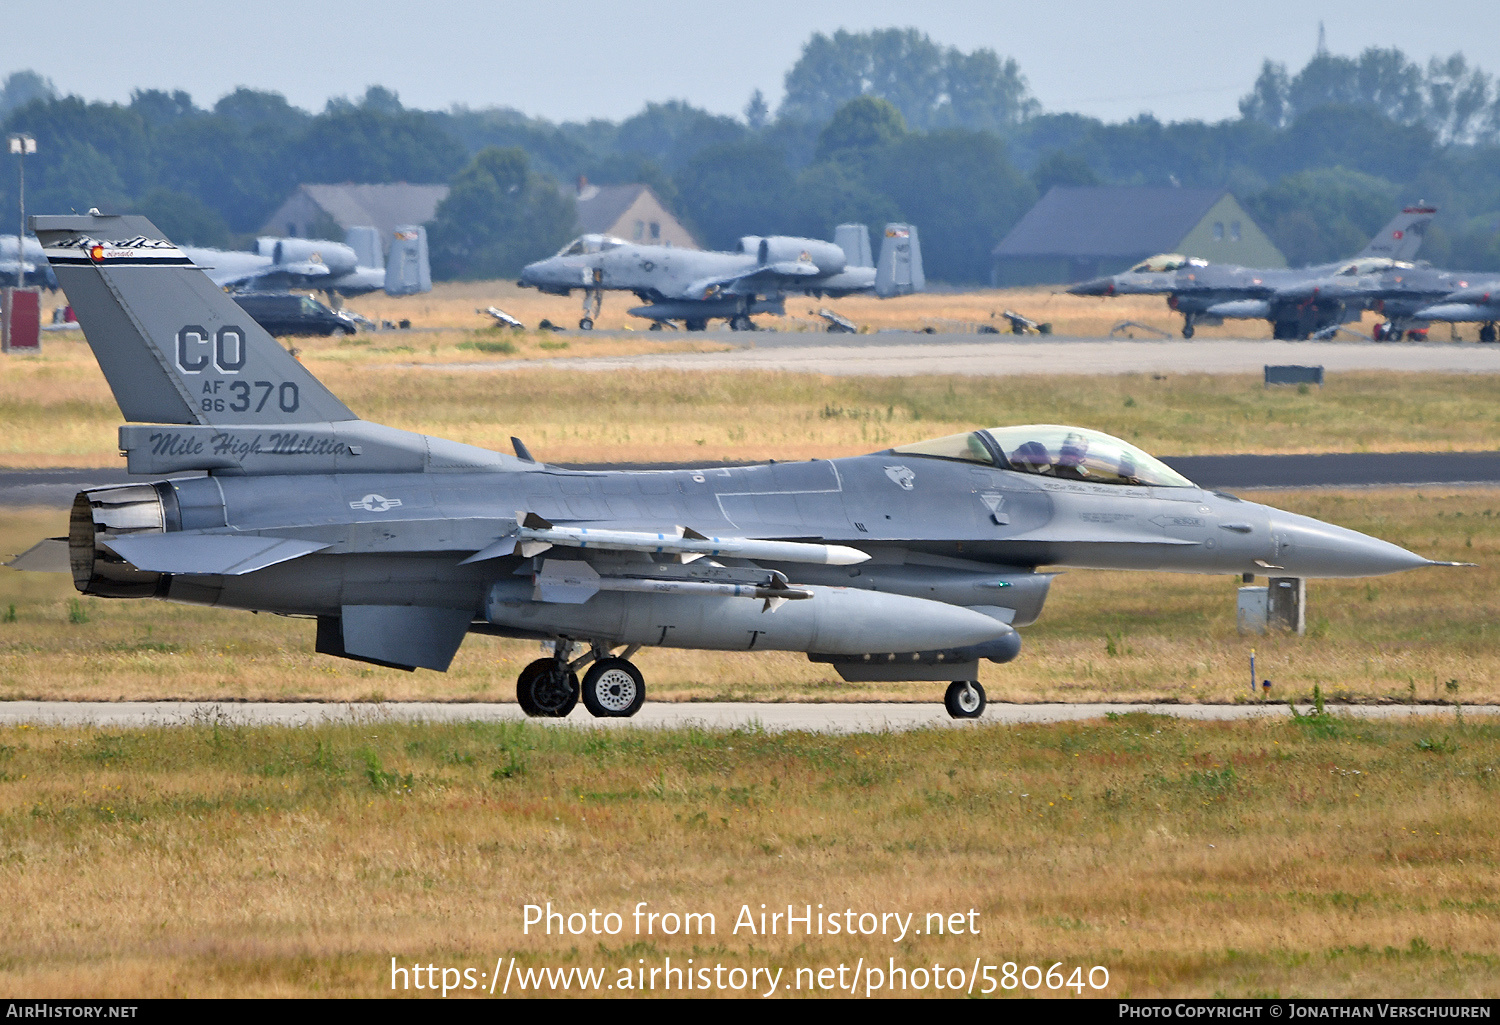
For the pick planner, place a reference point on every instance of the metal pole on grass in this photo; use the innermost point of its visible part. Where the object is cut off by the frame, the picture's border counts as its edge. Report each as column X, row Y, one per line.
column 21, row 145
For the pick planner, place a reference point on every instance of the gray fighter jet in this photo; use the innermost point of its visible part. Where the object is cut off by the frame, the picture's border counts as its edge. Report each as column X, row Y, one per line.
column 356, row 266
column 1404, row 293
column 913, row 563
column 696, row 287
column 1209, row 293
column 1478, row 303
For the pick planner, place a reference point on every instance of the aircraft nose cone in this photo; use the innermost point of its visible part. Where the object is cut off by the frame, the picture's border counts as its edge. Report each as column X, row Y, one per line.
column 1306, row 547
column 1098, row 286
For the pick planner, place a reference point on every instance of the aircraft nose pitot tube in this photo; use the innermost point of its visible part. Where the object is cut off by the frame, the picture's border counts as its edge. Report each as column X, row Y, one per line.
column 1305, row 547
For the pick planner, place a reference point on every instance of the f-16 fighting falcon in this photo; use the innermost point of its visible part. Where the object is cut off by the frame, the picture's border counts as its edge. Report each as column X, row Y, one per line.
column 1404, row 293
column 1208, row 293
column 696, row 287
column 913, row 563
column 1476, row 303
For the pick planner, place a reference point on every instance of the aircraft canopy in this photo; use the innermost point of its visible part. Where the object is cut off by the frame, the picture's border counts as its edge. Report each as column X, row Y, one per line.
column 1053, row 450
column 584, row 245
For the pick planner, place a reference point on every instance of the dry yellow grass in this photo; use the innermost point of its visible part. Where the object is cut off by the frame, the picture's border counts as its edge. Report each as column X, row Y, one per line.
column 452, row 304
column 1321, row 859
column 1102, row 637
column 59, row 412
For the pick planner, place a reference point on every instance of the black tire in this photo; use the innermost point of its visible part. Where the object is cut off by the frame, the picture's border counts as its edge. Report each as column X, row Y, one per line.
column 1487, row 333
column 586, row 324
column 1187, row 330
column 961, row 699
column 341, row 332
column 696, row 325
column 547, row 690
column 655, row 326
column 613, row 689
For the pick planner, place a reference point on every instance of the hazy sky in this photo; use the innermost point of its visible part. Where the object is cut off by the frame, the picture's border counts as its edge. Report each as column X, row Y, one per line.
column 587, row 58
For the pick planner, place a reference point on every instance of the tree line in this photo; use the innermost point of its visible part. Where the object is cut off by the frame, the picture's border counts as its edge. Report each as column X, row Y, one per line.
column 874, row 126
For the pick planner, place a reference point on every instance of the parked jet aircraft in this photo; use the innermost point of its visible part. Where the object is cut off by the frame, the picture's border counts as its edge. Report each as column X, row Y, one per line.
column 30, row 259
column 909, row 564
column 1400, row 291
column 1479, row 303
column 696, row 287
column 1207, row 293
column 353, row 267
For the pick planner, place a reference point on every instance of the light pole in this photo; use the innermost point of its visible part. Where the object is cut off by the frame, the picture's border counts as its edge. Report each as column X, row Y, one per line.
column 21, row 145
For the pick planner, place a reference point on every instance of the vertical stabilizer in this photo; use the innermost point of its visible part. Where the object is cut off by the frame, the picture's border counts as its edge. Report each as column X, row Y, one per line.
column 365, row 241
column 406, row 268
column 173, row 347
column 854, row 240
column 1403, row 236
column 900, row 269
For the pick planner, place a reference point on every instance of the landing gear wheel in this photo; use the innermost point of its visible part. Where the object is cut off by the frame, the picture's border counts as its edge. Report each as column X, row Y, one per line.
column 1487, row 333
column 586, row 324
column 1187, row 330
column 696, row 325
column 613, row 689
column 547, row 689
column 655, row 326
column 965, row 699
column 741, row 323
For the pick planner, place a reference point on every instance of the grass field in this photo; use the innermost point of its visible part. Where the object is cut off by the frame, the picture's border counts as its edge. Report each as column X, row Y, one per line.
column 59, row 411
column 1326, row 857
column 453, row 304
column 1102, row 637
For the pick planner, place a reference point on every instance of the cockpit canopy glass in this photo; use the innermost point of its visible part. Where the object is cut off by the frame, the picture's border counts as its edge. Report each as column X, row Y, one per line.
column 585, row 245
column 1164, row 262
column 1052, row 450
column 1372, row 265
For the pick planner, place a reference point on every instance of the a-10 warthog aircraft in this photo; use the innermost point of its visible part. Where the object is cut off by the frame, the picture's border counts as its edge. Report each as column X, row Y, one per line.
column 915, row 563
column 696, row 287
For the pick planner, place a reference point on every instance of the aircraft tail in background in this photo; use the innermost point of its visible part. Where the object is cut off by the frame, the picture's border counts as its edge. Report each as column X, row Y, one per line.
column 365, row 241
column 1403, row 236
column 174, row 348
column 854, row 240
column 407, row 271
column 899, row 271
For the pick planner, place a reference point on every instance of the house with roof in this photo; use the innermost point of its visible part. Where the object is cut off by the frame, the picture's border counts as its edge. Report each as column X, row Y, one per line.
column 329, row 211
column 1075, row 233
column 630, row 212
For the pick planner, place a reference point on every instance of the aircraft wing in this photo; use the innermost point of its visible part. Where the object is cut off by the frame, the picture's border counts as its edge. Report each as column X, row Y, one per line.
column 764, row 275
column 192, row 552
column 305, row 269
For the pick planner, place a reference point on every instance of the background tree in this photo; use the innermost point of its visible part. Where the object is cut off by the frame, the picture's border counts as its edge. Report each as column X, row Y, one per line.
column 499, row 215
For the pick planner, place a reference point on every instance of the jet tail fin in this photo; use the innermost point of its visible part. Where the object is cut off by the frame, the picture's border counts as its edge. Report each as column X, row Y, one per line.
column 854, row 240
column 173, row 347
column 365, row 241
column 900, row 269
column 406, row 269
column 1403, row 236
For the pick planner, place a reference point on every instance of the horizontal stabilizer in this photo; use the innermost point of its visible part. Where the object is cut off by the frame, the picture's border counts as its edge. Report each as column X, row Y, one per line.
column 199, row 554
column 48, row 556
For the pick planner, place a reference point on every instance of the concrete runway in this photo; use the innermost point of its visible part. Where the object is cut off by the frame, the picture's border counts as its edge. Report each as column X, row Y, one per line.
column 813, row 718
column 906, row 354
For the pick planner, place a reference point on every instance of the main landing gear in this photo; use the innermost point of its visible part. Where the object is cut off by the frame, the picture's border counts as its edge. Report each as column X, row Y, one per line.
column 1487, row 333
column 612, row 688
column 965, row 699
column 593, row 301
